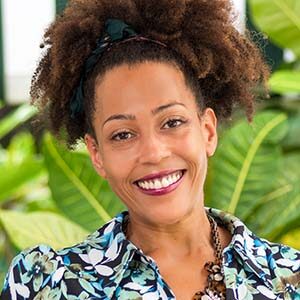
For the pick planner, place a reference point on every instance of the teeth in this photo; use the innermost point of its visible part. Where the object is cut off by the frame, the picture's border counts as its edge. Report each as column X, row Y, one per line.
column 157, row 184
column 165, row 181
column 161, row 182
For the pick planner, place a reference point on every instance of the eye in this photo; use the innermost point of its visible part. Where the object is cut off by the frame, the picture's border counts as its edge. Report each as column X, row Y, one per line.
column 172, row 123
column 121, row 136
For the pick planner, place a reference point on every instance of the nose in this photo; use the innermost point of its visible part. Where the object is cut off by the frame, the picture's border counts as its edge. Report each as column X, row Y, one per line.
column 153, row 149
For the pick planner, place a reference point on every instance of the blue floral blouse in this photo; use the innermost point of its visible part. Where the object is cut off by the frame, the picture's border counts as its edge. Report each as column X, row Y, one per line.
column 108, row 266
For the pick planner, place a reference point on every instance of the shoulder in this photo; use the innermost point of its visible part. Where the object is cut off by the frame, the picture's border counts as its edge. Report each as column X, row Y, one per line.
column 48, row 273
column 30, row 271
column 63, row 273
column 244, row 241
column 259, row 262
column 283, row 259
column 281, row 264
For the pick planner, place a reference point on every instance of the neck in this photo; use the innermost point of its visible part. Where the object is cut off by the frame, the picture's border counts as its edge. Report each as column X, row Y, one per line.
column 188, row 237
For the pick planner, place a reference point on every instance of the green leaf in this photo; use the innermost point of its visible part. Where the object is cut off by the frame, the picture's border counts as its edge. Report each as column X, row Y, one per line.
column 29, row 229
column 17, row 117
column 280, row 20
column 282, row 214
column 20, row 165
column 285, row 82
column 21, row 147
column 282, row 200
column 291, row 140
column 290, row 167
column 292, row 239
column 79, row 192
column 245, row 163
column 18, row 175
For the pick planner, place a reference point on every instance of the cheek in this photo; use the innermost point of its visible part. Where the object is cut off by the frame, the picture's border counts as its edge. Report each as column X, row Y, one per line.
column 118, row 180
column 192, row 148
column 114, row 172
column 191, row 144
column 117, row 167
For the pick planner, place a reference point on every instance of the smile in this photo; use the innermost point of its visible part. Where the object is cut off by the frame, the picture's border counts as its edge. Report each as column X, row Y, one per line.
column 161, row 185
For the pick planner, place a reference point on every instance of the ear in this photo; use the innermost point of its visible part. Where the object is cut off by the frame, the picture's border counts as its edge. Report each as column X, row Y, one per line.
column 209, row 129
column 95, row 154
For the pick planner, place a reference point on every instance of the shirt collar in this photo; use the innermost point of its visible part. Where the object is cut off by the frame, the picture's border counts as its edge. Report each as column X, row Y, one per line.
column 252, row 250
column 120, row 252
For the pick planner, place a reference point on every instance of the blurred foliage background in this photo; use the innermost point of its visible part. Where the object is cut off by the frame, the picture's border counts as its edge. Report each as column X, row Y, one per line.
column 53, row 196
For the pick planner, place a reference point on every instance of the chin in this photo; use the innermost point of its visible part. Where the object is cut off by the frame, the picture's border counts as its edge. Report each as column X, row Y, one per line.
column 168, row 214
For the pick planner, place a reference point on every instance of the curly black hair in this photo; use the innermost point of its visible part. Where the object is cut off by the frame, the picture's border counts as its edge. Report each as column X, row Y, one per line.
column 221, row 65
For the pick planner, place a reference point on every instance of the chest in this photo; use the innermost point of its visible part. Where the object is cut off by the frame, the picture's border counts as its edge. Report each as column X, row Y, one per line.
column 185, row 281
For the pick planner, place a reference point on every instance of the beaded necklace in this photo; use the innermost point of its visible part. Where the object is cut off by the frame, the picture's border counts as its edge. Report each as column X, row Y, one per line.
column 215, row 289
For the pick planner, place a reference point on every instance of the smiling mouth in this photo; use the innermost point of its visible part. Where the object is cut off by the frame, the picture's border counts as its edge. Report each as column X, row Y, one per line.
column 160, row 183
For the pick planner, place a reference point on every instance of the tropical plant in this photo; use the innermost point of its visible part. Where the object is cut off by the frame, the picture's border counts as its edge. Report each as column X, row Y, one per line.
column 15, row 118
column 54, row 196
column 248, row 176
column 279, row 21
column 72, row 179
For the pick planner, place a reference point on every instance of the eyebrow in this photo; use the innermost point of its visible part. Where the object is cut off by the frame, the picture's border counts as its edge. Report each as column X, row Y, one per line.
column 132, row 117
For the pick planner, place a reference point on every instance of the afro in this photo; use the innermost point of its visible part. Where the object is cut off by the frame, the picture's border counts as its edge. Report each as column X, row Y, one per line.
column 222, row 66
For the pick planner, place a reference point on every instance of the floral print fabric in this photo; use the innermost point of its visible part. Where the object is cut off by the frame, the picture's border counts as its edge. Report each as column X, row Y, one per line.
column 108, row 266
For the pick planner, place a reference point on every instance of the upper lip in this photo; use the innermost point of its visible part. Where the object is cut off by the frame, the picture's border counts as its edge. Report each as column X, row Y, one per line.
column 158, row 174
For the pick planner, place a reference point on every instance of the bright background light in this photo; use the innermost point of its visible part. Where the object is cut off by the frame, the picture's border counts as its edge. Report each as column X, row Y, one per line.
column 23, row 26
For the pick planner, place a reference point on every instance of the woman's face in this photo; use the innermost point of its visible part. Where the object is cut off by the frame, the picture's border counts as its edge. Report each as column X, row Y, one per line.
column 152, row 145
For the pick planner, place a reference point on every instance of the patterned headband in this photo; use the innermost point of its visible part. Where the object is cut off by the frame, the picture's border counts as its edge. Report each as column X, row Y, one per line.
column 116, row 32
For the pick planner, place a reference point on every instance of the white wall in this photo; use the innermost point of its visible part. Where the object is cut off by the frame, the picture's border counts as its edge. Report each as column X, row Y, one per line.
column 24, row 22
column 23, row 26
column 240, row 6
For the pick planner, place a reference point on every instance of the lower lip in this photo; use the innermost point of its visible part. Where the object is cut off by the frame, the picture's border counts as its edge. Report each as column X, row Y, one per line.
column 164, row 190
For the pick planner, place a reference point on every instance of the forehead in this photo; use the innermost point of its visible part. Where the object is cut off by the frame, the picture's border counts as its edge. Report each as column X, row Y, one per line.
column 126, row 88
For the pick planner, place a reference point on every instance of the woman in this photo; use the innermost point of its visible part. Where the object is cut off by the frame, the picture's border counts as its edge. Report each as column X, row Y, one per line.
column 144, row 83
